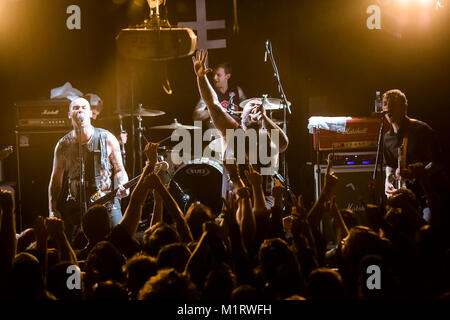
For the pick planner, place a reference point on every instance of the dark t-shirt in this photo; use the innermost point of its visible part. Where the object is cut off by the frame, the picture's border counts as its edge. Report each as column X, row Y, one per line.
column 229, row 99
column 422, row 143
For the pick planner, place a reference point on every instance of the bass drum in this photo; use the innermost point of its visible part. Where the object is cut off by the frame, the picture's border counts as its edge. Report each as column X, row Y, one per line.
column 199, row 180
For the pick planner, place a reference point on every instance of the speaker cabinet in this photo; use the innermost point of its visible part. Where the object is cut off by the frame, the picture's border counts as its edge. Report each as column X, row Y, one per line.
column 351, row 191
column 34, row 166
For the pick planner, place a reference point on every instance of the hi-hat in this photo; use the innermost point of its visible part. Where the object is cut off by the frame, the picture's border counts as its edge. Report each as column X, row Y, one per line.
column 144, row 113
column 271, row 104
column 176, row 125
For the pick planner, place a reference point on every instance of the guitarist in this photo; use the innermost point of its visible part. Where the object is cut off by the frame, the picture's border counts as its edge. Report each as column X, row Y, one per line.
column 408, row 141
column 103, row 167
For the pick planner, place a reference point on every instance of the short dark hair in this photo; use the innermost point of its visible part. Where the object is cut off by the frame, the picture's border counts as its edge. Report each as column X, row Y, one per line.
column 225, row 66
column 96, row 223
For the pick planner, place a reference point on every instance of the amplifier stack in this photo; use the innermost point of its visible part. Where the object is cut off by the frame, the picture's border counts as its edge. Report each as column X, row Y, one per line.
column 39, row 126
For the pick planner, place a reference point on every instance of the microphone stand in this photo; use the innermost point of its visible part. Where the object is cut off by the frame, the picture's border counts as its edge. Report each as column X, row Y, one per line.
column 133, row 130
column 286, row 109
column 378, row 164
column 83, row 204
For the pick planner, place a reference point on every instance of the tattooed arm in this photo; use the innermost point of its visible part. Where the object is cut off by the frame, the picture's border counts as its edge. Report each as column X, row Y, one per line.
column 56, row 181
column 115, row 158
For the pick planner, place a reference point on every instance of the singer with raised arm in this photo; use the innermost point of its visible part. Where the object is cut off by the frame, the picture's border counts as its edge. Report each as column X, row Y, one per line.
column 407, row 141
column 253, row 122
column 86, row 154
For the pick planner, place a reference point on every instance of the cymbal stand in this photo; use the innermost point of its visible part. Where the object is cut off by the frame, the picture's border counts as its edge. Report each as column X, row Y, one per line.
column 140, row 129
column 122, row 144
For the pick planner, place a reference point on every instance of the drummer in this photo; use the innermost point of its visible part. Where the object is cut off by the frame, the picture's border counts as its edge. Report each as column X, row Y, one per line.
column 230, row 95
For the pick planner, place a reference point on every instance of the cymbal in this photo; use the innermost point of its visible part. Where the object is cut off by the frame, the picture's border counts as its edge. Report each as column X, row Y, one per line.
column 273, row 103
column 144, row 113
column 174, row 126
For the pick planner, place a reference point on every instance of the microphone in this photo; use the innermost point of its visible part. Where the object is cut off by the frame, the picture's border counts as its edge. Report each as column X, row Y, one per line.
column 80, row 117
column 264, row 101
column 267, row 49
column 185, row 197
column 279, row 177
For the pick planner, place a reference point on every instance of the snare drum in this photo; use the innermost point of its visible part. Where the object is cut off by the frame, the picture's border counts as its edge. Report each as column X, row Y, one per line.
column 198, row 180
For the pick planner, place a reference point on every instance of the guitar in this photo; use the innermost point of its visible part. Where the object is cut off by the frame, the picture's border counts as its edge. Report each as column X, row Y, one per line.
column 396, row 179
column 70, row 207
column 103, row 199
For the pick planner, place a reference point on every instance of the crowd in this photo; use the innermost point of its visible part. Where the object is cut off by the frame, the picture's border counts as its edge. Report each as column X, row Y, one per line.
column 246, row 252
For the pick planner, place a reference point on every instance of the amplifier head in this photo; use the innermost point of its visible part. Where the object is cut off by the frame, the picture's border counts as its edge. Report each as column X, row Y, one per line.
column 43, row 113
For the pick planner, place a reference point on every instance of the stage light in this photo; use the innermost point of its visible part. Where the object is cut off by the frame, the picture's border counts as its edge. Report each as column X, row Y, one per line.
column 425, row 2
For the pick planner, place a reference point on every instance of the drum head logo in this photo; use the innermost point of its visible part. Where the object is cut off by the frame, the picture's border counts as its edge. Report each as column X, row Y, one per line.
column 198, row 171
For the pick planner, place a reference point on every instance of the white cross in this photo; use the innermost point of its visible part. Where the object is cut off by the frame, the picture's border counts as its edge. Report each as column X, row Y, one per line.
column 202, row 26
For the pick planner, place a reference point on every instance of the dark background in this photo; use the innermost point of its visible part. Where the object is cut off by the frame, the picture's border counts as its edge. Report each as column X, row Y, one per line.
column 322, row 49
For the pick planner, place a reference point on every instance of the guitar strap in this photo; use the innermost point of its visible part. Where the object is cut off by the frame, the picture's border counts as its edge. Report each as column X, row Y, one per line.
column 100, row 155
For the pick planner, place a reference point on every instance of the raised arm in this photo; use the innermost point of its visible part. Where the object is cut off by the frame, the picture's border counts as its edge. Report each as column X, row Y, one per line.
column 269, row 125
column 201, row 111
column 221, row 119
column 132, row 215
column 56, row 181
column 315, row 214
column 255, row 179
column 338, row 220
column 158, row 207
column 55, row 229
column 7, row 232
column 172, row 208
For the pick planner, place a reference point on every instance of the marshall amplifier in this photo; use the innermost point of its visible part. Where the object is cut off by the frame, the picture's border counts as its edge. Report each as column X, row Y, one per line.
column 344, row 133
column 43, row 114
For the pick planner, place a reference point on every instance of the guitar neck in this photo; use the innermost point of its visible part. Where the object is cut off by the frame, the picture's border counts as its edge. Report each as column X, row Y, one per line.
column 112, row 194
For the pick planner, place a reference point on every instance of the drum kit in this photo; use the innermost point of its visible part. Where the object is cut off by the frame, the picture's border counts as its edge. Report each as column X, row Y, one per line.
column 199, row 179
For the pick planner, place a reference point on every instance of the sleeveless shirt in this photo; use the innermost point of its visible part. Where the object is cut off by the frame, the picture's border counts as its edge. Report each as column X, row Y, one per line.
column 98, row 169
